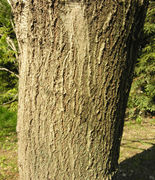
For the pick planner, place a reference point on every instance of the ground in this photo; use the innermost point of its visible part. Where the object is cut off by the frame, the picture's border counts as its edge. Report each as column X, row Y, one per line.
column 137, row 154
column 8, row 155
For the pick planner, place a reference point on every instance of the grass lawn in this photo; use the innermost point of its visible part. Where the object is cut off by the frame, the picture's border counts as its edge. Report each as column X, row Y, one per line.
column 8, row 145
column 137, row 153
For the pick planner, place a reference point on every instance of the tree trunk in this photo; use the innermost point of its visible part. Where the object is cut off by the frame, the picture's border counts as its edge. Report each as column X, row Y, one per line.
column 76, row 64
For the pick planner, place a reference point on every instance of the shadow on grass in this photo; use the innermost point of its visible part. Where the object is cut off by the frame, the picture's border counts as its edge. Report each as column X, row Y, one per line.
column 139, row 167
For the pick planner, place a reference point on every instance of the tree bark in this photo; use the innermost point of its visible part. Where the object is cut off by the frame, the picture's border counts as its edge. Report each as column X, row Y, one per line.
column 76, row 64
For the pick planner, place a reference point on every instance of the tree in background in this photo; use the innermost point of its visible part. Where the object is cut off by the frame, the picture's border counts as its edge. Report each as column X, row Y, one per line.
column 8, row 58
column 142, row 94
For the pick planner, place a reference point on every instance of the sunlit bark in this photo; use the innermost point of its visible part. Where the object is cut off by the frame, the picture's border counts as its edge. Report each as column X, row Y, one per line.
column 76, row 64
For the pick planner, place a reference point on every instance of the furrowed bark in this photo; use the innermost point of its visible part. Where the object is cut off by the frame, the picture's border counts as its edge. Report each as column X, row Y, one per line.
column 76, row 64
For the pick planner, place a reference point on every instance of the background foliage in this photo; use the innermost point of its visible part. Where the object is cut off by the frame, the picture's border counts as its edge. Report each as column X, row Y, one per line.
column 8, row 58
column 142, row 95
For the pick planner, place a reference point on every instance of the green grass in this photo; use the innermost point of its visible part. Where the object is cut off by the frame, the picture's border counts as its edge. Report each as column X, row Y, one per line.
column 8, row 144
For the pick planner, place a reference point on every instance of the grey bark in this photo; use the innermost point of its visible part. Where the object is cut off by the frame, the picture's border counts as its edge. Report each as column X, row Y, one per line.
column 76, row 64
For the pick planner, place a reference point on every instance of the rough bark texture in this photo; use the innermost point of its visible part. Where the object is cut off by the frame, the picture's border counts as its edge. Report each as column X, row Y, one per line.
column 76, row 63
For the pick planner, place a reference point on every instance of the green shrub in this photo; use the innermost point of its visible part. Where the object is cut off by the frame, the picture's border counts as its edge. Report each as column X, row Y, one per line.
column 8, row 120
column 142, row 95
column 8, row 58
